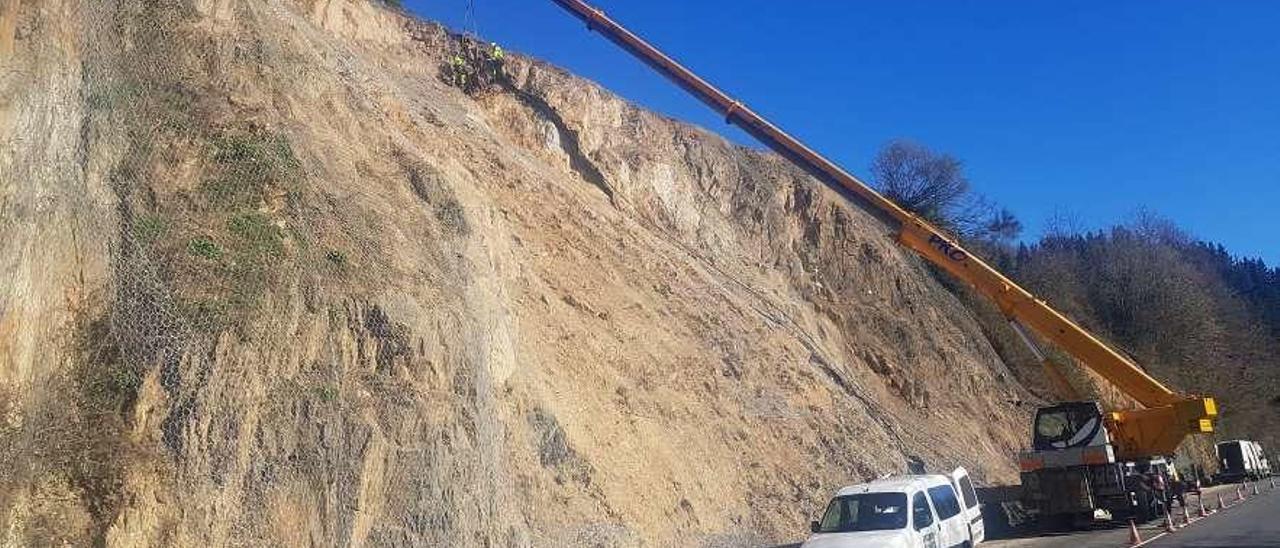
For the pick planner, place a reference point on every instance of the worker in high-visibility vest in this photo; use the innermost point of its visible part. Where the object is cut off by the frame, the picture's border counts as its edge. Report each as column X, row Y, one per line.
column 459, row 67
column 496, row 57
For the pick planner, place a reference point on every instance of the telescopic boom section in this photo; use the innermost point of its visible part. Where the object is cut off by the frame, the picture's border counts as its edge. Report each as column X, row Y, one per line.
column 1017, row 304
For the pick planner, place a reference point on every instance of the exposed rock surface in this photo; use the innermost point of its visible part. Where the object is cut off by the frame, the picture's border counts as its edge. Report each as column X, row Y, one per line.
column 270, row 281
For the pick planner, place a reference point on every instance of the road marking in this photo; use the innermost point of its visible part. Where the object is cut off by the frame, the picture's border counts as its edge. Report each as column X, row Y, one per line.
column 1193, row 521
column 1150, row 540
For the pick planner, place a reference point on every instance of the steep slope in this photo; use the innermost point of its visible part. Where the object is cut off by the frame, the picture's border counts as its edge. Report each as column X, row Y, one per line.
column 269, row 280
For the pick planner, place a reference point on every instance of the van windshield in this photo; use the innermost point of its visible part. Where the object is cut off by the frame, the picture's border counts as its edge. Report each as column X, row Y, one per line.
column 865, row 512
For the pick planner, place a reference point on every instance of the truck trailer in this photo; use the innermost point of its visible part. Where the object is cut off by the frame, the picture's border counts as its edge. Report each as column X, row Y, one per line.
column 1241, row 460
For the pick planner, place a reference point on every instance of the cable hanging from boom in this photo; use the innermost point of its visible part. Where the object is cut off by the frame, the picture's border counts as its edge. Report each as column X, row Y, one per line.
column 1166, row 416
column 469, row 21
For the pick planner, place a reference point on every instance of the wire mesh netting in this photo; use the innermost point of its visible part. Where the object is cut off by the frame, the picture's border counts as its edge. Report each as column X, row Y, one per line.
column 256, row 364
column 291, row 312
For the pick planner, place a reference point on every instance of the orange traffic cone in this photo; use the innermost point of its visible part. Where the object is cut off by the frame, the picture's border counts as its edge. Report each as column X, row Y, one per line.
column 1169, row 527
column 1221, row 505
column 1134, row 537
column 1200, row 503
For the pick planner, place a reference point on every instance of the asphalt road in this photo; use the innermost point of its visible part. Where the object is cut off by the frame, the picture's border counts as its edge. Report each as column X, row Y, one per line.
column 1254, row 523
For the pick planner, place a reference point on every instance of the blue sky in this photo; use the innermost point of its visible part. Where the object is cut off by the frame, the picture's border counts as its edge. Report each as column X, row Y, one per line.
column 1090, row 109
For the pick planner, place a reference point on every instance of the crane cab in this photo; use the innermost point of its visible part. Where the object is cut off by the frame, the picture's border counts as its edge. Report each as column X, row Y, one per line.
column 1068, row 426
column 1069, row 434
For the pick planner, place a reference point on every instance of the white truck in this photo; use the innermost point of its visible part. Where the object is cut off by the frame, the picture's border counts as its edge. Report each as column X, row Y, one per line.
column 915, row 511
column 1241, row 460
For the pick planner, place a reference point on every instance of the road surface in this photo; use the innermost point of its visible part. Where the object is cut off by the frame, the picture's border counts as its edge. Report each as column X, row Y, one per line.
column 1252, row 524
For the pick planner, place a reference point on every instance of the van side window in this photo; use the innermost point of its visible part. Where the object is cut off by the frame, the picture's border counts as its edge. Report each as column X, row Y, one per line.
column 921, row 516
column 944, row 501
column 966, row 491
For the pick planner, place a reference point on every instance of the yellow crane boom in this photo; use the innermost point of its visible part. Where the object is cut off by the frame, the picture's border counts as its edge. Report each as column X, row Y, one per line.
column 1158, row 429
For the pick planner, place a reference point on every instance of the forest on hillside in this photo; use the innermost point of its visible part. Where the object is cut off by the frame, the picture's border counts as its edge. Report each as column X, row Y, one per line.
column 1196, row 316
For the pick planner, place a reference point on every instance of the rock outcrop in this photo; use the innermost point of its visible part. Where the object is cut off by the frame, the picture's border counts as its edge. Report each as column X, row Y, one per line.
column 270, row 281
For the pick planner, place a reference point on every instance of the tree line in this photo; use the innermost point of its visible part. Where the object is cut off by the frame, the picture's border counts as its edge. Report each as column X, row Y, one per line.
column 1189, row 310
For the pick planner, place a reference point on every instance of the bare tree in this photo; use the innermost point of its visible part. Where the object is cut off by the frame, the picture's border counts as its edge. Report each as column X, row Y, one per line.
column 1063, row 223
column 1158, row 229
column 927, row 183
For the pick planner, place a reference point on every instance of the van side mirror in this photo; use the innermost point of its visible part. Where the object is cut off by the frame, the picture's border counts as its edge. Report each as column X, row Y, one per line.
column 814, row 527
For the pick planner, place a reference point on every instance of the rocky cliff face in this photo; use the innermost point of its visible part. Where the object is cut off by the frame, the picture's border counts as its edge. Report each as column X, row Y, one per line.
column 270, row 281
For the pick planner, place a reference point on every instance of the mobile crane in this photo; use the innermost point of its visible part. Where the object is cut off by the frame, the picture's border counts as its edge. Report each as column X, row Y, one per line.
column 1082, row 458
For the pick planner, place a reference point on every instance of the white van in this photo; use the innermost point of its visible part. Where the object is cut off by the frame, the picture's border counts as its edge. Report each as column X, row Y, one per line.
column 921, row 511
column 969, row 500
